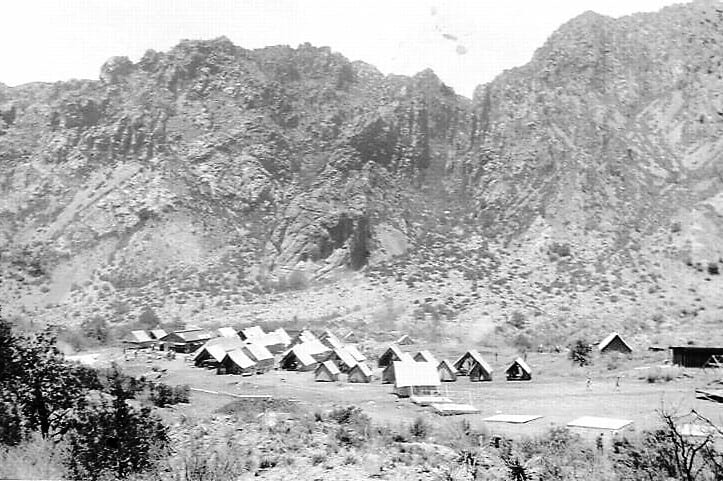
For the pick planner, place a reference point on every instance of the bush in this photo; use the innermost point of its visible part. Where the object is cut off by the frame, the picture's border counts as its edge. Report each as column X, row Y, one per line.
column 581, row 352
column 162, row 395
column 419, row 428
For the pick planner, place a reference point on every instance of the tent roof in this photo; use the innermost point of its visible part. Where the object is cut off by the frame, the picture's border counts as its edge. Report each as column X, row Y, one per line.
column 253, row 332
column 599, row 423
column 345, row 356
column 426, row 356
column 313, row 347
column 446, row 364
column 259, row 352
column 282, row 336
column 604, row 343
column 301, row 355
column 217, row 351
column 227, row 332
column 329, row 366
column 521, row 362
column 408, row 374
column 333, row 342
column 157, row 333
column 396, row 350
column 140, row 336
column 358, row 356
column 366, row 370
column 405, row 338
column 192, row 335
column 476, row 357
column 227, row 343
column 240, row 359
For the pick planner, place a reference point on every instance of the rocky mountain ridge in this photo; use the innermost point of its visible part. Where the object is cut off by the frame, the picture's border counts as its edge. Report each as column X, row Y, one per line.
column 211, row 178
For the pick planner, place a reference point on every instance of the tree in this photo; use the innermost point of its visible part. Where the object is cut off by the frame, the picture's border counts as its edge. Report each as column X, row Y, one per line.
column 113, row 438
column 580, row 353
column 48, row 386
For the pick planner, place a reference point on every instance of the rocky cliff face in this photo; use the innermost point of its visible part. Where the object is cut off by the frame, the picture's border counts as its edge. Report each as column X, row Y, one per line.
column 210, row 174
column 231, row 165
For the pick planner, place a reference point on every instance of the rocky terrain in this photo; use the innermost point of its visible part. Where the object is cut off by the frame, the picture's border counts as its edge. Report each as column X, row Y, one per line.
column 217, row 184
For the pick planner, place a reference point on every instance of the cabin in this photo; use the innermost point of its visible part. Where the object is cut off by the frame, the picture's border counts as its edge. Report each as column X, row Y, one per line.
column 425, row 356
column 360, row 373
column 343, row 359
column 446, row 371
column 519, row 370
column 227, row 332
column 614, row 343
column 140, row 339
column 415, row 379
column 236, row 362
column 695, row 356
column 405, row 340
column 186, row 340
column 326, row 372
column 297, row 359
column 473, row 364
column 260, row 355
column 393, row 353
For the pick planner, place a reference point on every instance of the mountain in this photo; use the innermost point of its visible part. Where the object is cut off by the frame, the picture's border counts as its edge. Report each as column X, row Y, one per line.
column 211, row 182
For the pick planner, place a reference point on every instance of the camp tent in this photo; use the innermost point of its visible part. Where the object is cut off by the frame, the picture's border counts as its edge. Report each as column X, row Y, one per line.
column 350, row 337
column 358, row 356
column 297, row 359
column 326, row 372
column 186, row 340
column 447, row 372
column 473, row 363
column 316, row 349
column 415, row 378
column 425, row 356
column 519, row 371
column 405, row 340
column 227, row 332
column 343, row 359
column 260, row 355
column 214, row 350
column 251, row 333
column 389, row 372
column 360, row 373
column 614, row 343
column 236, row 362
column 304, row 336
column 393, row 353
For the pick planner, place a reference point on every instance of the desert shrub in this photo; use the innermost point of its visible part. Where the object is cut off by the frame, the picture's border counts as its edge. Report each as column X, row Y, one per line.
column 148, row 318
column 581, row 353
column 557, row 249
column 296, row 281
column 713, row 268
column 34, row 458
column 517, row 320
column 318, row 458
column 222, row 463
column 657, row 375
column 419, row 428
column 162, row 395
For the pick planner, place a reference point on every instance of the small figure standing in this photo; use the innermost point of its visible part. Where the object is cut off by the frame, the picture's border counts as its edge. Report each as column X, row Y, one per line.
column 599, row 443
column 617, row 383
column 588, row 383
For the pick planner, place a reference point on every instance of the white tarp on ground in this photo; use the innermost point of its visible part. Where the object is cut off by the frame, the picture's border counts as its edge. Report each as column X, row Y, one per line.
column 599, row 423
column 512, row 418
column 451, row 408
column 429, row 400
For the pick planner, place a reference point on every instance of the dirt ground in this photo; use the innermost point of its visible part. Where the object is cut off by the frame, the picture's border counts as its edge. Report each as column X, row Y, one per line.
column 558, row 392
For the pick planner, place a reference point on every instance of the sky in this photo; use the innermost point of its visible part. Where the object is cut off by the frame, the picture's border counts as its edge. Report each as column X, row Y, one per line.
column 466, row 42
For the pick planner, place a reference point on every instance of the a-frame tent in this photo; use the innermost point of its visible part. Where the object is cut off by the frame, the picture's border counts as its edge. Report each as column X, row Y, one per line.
column 326, row 372
column 447, row 372
column 360, row 373
column 614, row 343
column 519, row 370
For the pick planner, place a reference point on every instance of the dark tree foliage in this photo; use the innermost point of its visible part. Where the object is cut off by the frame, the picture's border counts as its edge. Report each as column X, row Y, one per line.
column 580, row 353
column 111, row 438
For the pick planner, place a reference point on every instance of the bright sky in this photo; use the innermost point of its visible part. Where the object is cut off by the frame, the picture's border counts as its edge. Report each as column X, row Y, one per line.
column 466, row 42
